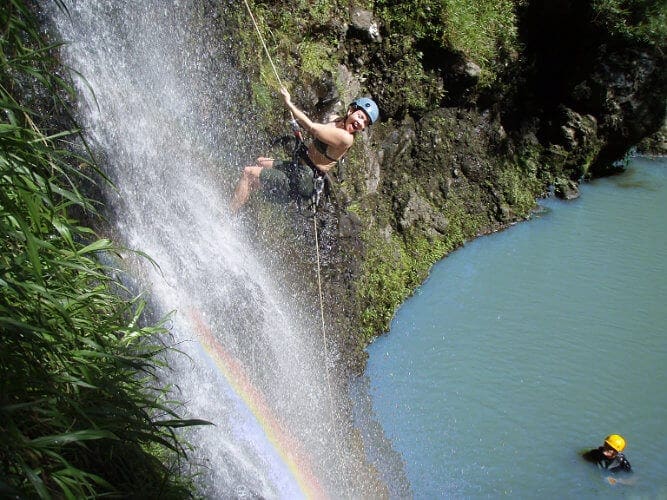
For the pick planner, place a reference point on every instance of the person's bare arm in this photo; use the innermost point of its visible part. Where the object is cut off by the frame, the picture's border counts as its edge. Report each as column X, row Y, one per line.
column 332, row 136
column 618, row 480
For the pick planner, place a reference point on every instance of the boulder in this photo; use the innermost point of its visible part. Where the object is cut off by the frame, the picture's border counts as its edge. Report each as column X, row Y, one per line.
column 364, row 26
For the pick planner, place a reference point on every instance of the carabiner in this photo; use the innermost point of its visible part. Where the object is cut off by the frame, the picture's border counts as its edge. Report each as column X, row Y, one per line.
column 319, row 188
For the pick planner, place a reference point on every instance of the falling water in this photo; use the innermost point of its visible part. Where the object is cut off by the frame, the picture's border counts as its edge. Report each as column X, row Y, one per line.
column 167, row 113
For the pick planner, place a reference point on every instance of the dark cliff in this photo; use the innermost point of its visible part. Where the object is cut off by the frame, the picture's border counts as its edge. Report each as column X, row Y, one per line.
column 476, row 124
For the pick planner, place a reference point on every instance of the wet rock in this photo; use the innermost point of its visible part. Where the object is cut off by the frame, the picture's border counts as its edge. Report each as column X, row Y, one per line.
column 460, row 76
column 504, row 212
column 566, row 189
column 351, row 85
column 397, row 146
column 579, row 131
column 655, row 144
column 465, row 73
column 419, row 211
column 364, row 26
column 631, row 90
column 349, row 226
column 473, row 168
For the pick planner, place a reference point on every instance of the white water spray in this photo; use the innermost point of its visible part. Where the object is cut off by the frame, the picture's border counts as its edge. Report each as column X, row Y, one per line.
column 169, row 120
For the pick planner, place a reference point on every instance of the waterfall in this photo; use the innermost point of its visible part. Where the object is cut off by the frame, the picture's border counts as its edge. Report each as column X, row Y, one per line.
column 167, row 114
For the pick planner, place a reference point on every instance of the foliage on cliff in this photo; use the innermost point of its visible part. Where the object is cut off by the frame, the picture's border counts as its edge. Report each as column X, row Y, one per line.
column 632, row 21
column 81, row 412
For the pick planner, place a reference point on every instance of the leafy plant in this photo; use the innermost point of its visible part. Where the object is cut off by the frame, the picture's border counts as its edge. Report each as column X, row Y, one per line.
column 634, row 20
column 81, row 410
column 482, row 30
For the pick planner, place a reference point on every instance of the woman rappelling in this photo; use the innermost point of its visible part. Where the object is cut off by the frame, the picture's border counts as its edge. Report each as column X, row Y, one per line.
column 298, row 177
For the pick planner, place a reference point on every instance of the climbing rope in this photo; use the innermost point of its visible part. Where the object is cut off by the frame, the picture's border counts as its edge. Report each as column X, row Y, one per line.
column 317, row 244
column 319, row 289
column 268, row 54
column 324, row 330
column 261, row 39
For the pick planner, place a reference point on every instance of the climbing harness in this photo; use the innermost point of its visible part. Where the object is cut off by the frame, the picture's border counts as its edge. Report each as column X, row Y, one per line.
column 319, row 178
column 300, row 160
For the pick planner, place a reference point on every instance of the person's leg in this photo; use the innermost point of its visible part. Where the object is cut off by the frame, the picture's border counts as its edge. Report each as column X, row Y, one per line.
column 248, row 183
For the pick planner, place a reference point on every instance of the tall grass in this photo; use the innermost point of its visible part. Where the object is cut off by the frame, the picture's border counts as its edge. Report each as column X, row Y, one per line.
column 643, row 21
column 483, row 30
column 81, row 410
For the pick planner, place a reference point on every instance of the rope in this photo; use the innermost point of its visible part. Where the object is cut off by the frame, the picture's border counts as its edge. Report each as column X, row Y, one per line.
column 268, row 55
column 317, row 244
column 261, row 39
column 319, row 289
column 319, row 286
column 324, row 331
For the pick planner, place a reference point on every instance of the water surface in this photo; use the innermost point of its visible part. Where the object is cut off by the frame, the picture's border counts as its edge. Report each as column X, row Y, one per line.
column 525, row 347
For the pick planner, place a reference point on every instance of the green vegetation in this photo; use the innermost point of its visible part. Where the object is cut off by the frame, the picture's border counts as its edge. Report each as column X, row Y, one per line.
column 315, row 59
column 395, row 266
column 302, row 41
column 384, row 284
column 81, row 411
column 416, row 89
column 643, row 21
column 483, row 30
column 519, row 189
column 392, row 270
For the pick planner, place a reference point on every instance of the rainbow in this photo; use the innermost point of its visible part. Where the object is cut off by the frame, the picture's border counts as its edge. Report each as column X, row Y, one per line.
column 285, row 445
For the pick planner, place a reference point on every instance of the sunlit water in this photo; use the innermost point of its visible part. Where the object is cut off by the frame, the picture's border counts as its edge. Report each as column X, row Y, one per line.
column 167, row 113
column 528, row 346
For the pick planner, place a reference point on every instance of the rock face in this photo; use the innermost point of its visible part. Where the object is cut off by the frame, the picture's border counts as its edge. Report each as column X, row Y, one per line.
column 454, row 155
column 655, row 144
column 579, row 64
column 364, row 25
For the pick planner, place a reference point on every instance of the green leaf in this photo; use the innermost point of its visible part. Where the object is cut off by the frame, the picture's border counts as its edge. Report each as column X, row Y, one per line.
column 183, row 423
column 96, row 246
column 36, row 481
column 72, row 437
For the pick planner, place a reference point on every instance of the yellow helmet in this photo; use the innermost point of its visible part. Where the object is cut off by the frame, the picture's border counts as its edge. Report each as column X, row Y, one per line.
column 615, row 441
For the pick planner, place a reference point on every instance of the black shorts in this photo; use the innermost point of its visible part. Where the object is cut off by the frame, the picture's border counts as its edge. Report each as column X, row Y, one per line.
column 280, row 182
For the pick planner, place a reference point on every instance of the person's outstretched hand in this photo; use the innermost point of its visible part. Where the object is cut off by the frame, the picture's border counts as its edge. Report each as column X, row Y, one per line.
column 286, row 97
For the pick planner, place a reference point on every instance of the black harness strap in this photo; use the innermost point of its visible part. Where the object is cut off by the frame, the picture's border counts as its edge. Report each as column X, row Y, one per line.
column 322, row 147
column 301, row 152
column 319, row 177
